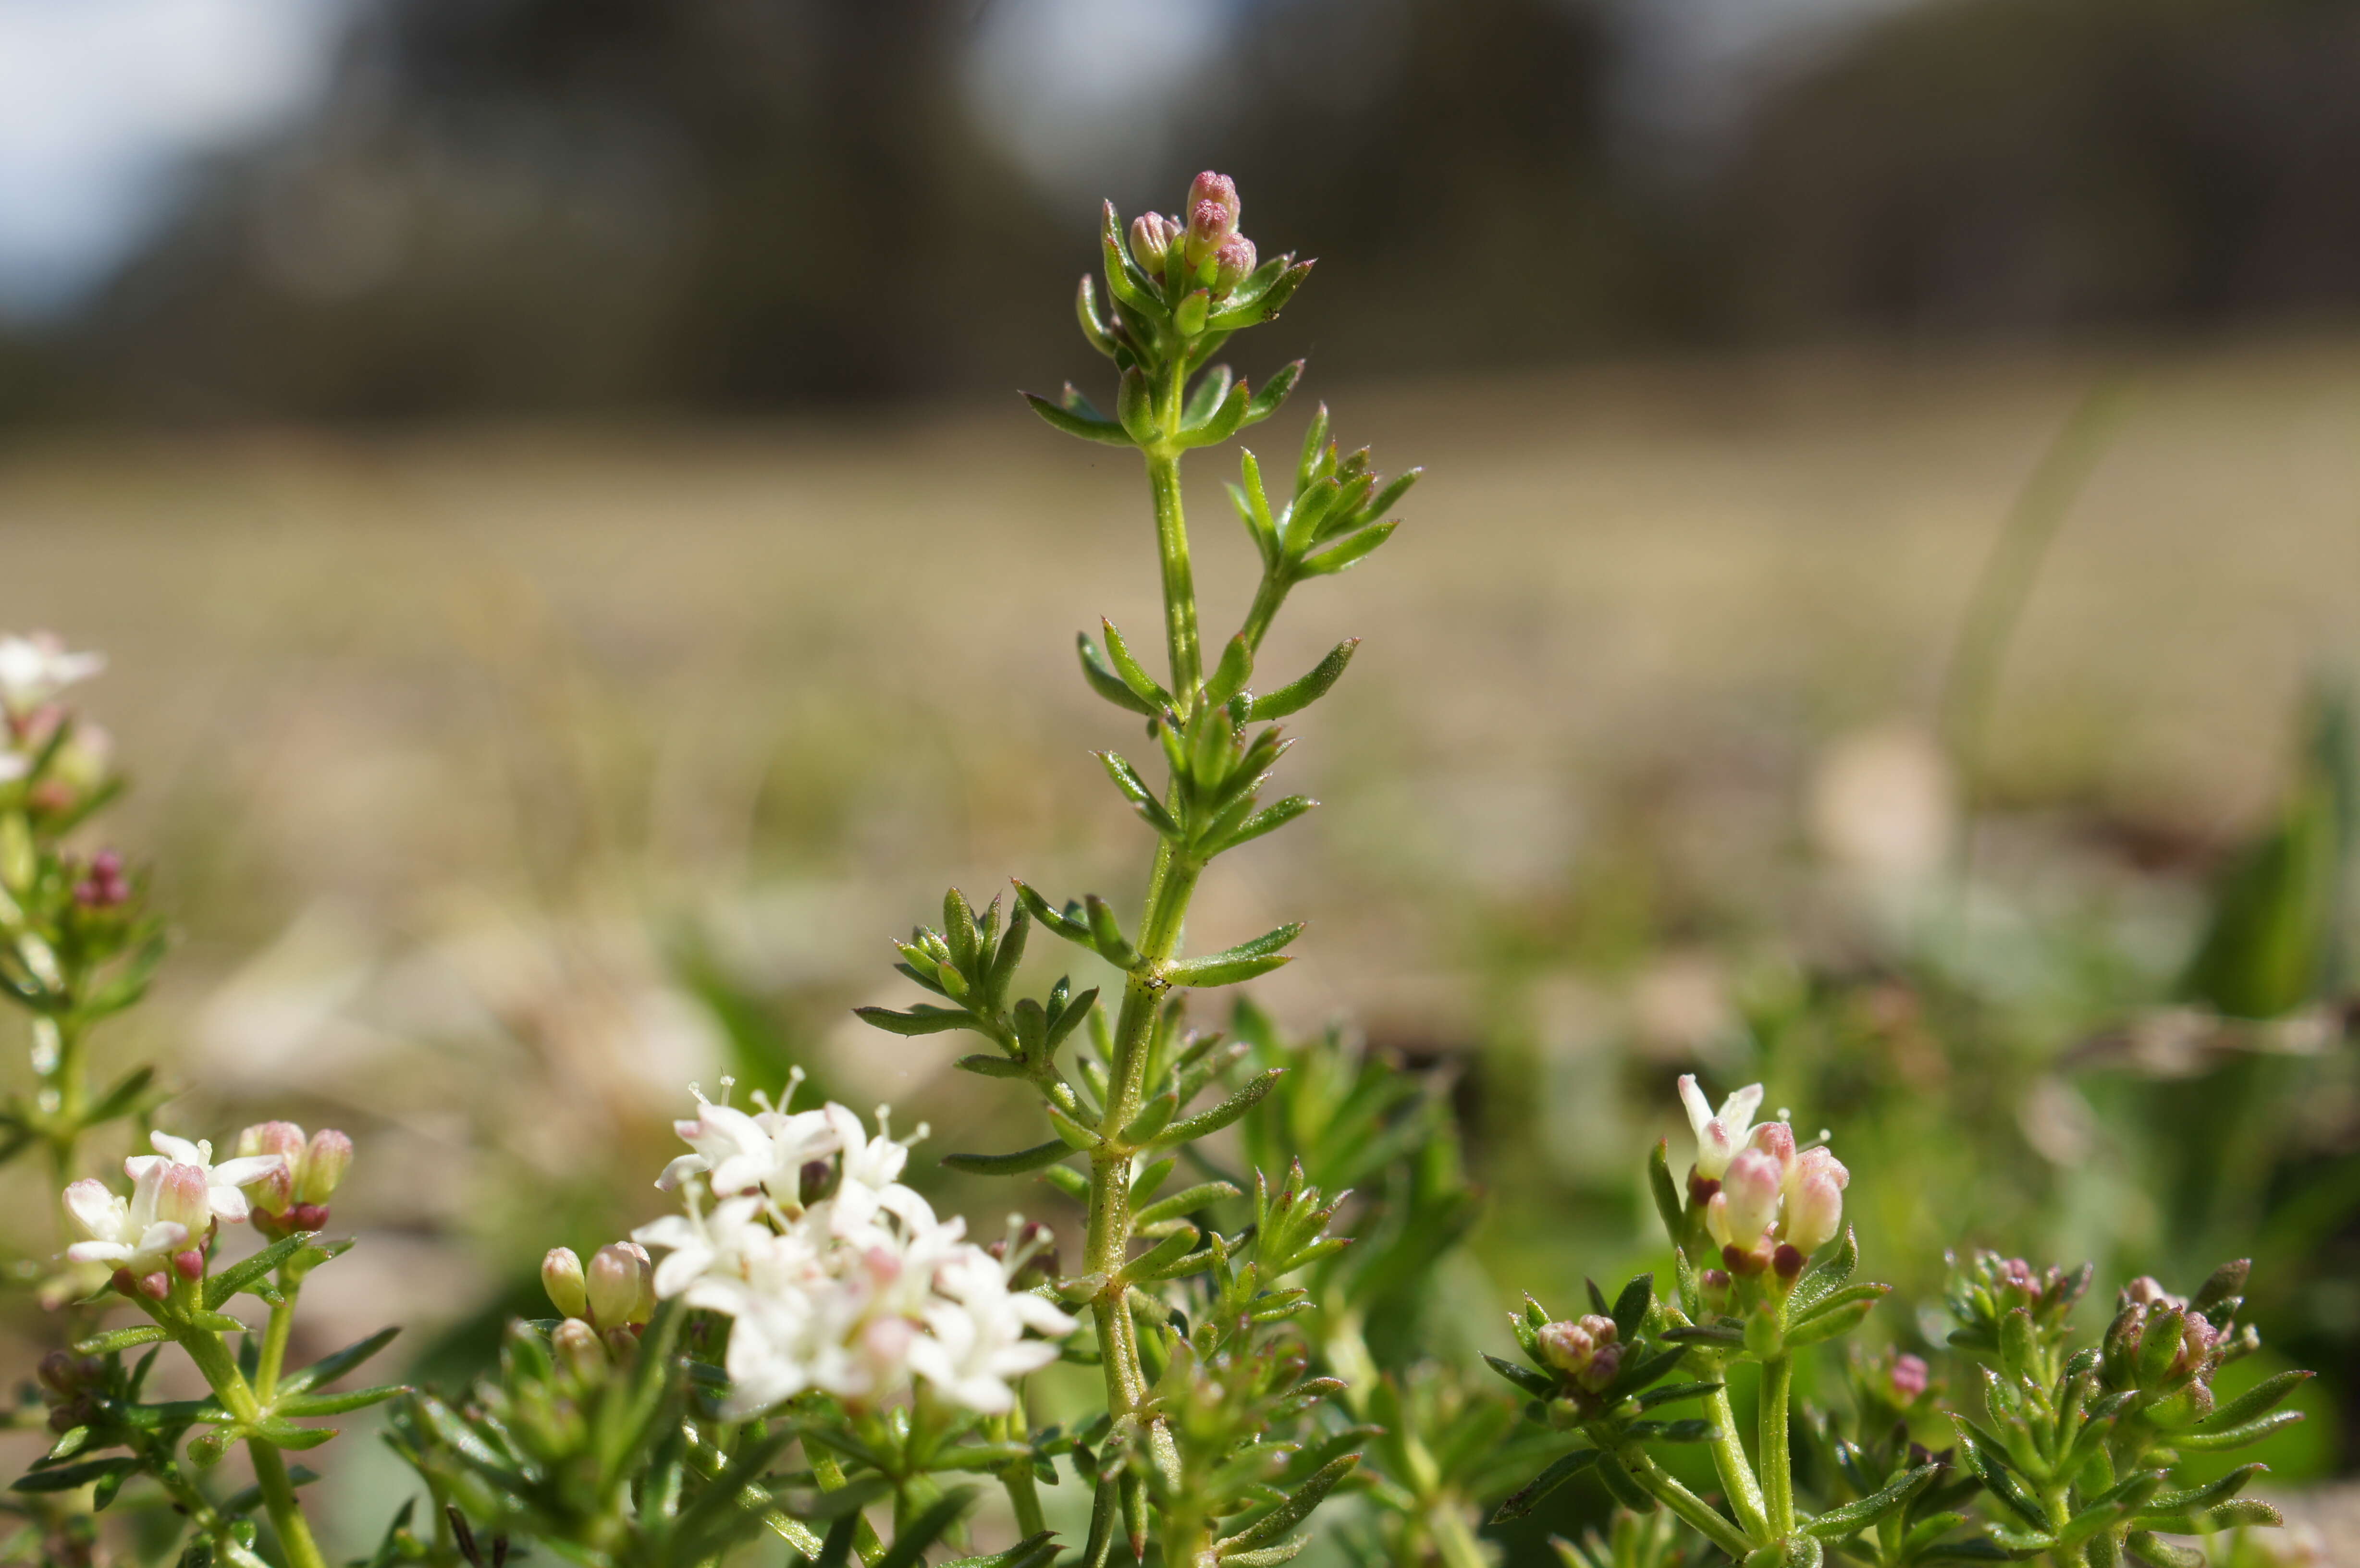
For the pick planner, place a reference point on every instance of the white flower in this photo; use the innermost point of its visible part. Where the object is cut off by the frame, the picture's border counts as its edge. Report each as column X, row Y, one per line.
column 727, row 1244
column 1719, row 1138
column 167, row 1210
column 975, row 1338
column 871, row 1179
column 37, row 668
column 852, row 1296
column 222, row 1182
column 737, row 1152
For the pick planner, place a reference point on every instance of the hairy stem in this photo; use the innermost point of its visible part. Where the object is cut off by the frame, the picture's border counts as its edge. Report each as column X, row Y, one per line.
column 829, row 1474
column 1179, row 579
column 1729, row 1462
column 1776, row 1456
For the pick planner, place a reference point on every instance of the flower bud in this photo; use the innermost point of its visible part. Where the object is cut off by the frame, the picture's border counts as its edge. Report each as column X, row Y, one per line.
column 184, row 1198
column 1775, row 1140
column 275, row 1193
column 1209, row 222
column 324, row 1161
column 1219, row 189
column 1152, row 235
column 621, row 1285
column 1748, row 1199
column 1233, row 260
column 560, row 1276
column 1814, row 1191
column 1568, row 1346
column 1909, row 1379
column 578, row 1347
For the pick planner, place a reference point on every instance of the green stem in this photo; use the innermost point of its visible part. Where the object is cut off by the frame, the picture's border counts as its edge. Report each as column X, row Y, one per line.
column 1179, row 580
column 1777, row 1456
column 221, row 1374
column 1267, row 600
column 274, row 1339
column 2057, row 1502
column 1023, row 1495
column 866, row 1545
column 1702, row 1515
column 1729, row 1462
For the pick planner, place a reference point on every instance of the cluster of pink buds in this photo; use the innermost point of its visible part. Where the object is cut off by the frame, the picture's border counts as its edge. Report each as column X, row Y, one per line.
column 1205, row 240
column 104, row 886
column 294, row 1196
column 1766, row 1204
column 1586, row 1350
column 605, row 1306
column 2158, row 1340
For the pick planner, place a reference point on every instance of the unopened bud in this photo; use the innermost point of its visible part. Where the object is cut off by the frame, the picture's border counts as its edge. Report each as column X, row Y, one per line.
column 1209, row 222
column 1716, row 1287
column 1568, row 1346
column 275, row 1193
column 1152, row 235
column 578, row 1348
column 1219, row 189
column 621, row 1285
column 1815, row 1188
column 1233, row 261
column 325, row 1160
column 560, row 1276
column 184, row 1198
column 191, row 1263
column 1909, row 1378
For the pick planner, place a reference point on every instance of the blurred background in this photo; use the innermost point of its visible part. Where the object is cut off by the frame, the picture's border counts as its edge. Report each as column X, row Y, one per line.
column 577, row 583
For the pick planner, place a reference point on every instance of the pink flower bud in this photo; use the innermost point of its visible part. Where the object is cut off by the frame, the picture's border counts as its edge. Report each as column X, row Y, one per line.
column 275, row 1193
column 1909, row 1380
column 1209, row 222
column 1775, row 1140
column 560, row 1276
column 1152, row 235
column 1219, row 189
column 1233, row 260
column 184, row 1198
column 191, row 1263
column 1748, row 1201
column 156, row 1286
column 1568, row 1346
column 621, row 1285
column 324, row 1161
column 1815, row 1188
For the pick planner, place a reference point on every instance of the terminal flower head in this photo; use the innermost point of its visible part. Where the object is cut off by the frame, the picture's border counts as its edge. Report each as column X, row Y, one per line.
column 1719, row 1135
column 1584, row 1349
column 35, row 669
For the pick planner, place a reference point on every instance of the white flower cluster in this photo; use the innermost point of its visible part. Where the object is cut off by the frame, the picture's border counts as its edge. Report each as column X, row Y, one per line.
column 854, row 1292
column 1765, row 1202
column 34, row 671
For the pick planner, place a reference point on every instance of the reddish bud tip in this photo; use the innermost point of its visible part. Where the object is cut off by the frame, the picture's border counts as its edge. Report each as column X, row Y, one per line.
column 189, row 1263
column 1787, row 1260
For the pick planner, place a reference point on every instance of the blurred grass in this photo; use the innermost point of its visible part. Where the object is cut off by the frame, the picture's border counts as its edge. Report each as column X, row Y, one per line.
column 502, row 781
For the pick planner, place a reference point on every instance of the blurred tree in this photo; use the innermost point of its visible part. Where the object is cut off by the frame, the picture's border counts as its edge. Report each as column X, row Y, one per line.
column 1973, row 164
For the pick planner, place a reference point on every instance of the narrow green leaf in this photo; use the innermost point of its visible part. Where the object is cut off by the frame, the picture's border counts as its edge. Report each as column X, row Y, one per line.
column 1539, row 1384
column 1204, row 399
column 1205, row 1123
column 117, row 1339
column 220, row 1287
column 1016, row 1164
column 1229, row 677
column 1273, row 393
column 1133, row 673
column 1105, row 682
column 1356, row 549
column 1106, row 432
column 924, row 1018
column 1300, row 693
column 1291, row 1512
column 335, row 1365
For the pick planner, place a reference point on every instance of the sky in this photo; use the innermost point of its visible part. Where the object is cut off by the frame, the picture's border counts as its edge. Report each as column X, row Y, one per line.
column 106, row 106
